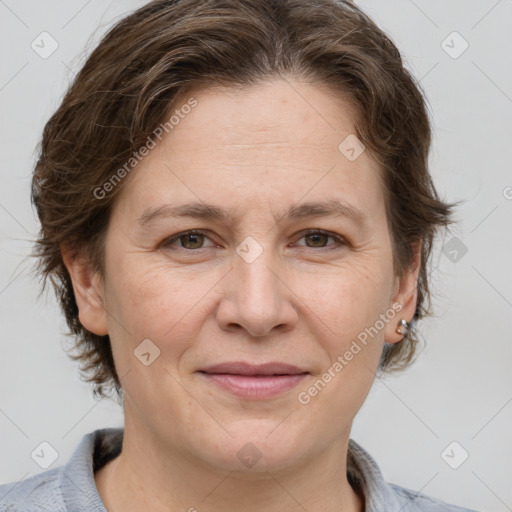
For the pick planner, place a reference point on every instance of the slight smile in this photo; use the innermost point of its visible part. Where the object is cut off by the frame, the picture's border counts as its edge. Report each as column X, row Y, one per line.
column 255, row 382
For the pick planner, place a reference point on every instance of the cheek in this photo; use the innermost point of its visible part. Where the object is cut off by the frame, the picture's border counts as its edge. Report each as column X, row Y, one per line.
column 351, row 297
column 349, row 304
column 156, row 302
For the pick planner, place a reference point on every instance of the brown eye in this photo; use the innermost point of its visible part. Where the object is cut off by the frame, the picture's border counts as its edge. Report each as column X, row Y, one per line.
column 192, row 241
column 318, row 239
column 189, row 240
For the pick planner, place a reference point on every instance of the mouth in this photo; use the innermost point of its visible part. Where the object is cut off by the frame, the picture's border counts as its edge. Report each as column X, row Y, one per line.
column 250, row 381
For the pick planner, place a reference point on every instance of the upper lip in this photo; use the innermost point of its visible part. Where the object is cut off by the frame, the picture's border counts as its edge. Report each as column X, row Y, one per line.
column 243, row 368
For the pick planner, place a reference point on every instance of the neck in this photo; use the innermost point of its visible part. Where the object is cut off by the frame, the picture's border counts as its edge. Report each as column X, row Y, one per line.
column 148, row 476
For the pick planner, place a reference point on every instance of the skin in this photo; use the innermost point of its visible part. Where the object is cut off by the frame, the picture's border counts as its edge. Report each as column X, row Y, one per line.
column 302, row 301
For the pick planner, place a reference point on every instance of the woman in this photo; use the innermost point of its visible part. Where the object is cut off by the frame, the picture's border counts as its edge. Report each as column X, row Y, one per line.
column 237, row 216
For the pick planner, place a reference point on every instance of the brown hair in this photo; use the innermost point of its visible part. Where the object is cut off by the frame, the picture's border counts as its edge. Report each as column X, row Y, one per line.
column 153, row 57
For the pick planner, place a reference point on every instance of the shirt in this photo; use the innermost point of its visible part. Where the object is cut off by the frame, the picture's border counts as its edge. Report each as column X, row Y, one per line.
column 72, row 488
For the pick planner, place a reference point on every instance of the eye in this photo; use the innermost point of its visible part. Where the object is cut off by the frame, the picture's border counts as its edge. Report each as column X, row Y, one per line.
column 190, row 240
column 318, row 239
column 194, row 240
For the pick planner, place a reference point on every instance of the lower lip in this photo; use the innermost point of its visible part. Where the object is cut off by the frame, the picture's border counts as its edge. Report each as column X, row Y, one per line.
column 255, row 387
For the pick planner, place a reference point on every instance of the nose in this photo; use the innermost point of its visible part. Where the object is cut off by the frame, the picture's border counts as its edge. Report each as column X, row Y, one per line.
column 256, row 298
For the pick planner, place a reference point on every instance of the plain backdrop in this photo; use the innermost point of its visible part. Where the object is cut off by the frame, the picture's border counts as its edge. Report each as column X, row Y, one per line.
column 460, row 390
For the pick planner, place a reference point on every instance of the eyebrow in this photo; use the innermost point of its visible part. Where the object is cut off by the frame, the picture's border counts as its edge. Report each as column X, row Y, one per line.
column 206, row 211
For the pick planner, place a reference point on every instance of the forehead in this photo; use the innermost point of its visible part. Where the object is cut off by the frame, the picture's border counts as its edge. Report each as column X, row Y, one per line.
column 270, row 112
column 265, row 145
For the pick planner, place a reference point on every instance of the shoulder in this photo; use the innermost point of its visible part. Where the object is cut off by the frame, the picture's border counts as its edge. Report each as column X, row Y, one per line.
column 67, row 488
column 366, row 476
column 40, row 492
column 413, row 501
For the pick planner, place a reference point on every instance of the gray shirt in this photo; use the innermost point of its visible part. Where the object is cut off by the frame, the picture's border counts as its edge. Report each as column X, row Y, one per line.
column 71, row 487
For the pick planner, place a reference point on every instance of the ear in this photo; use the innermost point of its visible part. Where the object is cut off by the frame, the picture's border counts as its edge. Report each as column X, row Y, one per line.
column 88, row 290
column 405, row 297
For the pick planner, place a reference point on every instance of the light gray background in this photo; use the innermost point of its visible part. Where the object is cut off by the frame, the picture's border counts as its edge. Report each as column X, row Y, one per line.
column 460, row 389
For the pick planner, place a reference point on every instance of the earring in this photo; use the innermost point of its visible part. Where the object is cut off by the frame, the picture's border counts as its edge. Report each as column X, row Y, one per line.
column 403, row 327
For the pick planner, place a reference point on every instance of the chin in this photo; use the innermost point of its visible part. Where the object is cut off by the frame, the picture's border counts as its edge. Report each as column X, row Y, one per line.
column 255, row 448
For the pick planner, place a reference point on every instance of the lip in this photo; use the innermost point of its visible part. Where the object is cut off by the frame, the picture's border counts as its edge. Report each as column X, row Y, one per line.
column 243, row 368
column 251, row 381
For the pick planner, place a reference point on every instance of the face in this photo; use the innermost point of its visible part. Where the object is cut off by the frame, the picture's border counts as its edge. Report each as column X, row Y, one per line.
column 264, row 278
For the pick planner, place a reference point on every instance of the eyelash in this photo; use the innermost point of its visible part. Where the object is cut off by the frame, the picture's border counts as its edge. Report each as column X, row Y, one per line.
column 340, row 241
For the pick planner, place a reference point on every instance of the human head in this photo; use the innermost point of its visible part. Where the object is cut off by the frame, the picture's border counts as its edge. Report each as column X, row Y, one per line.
column 150, row 61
